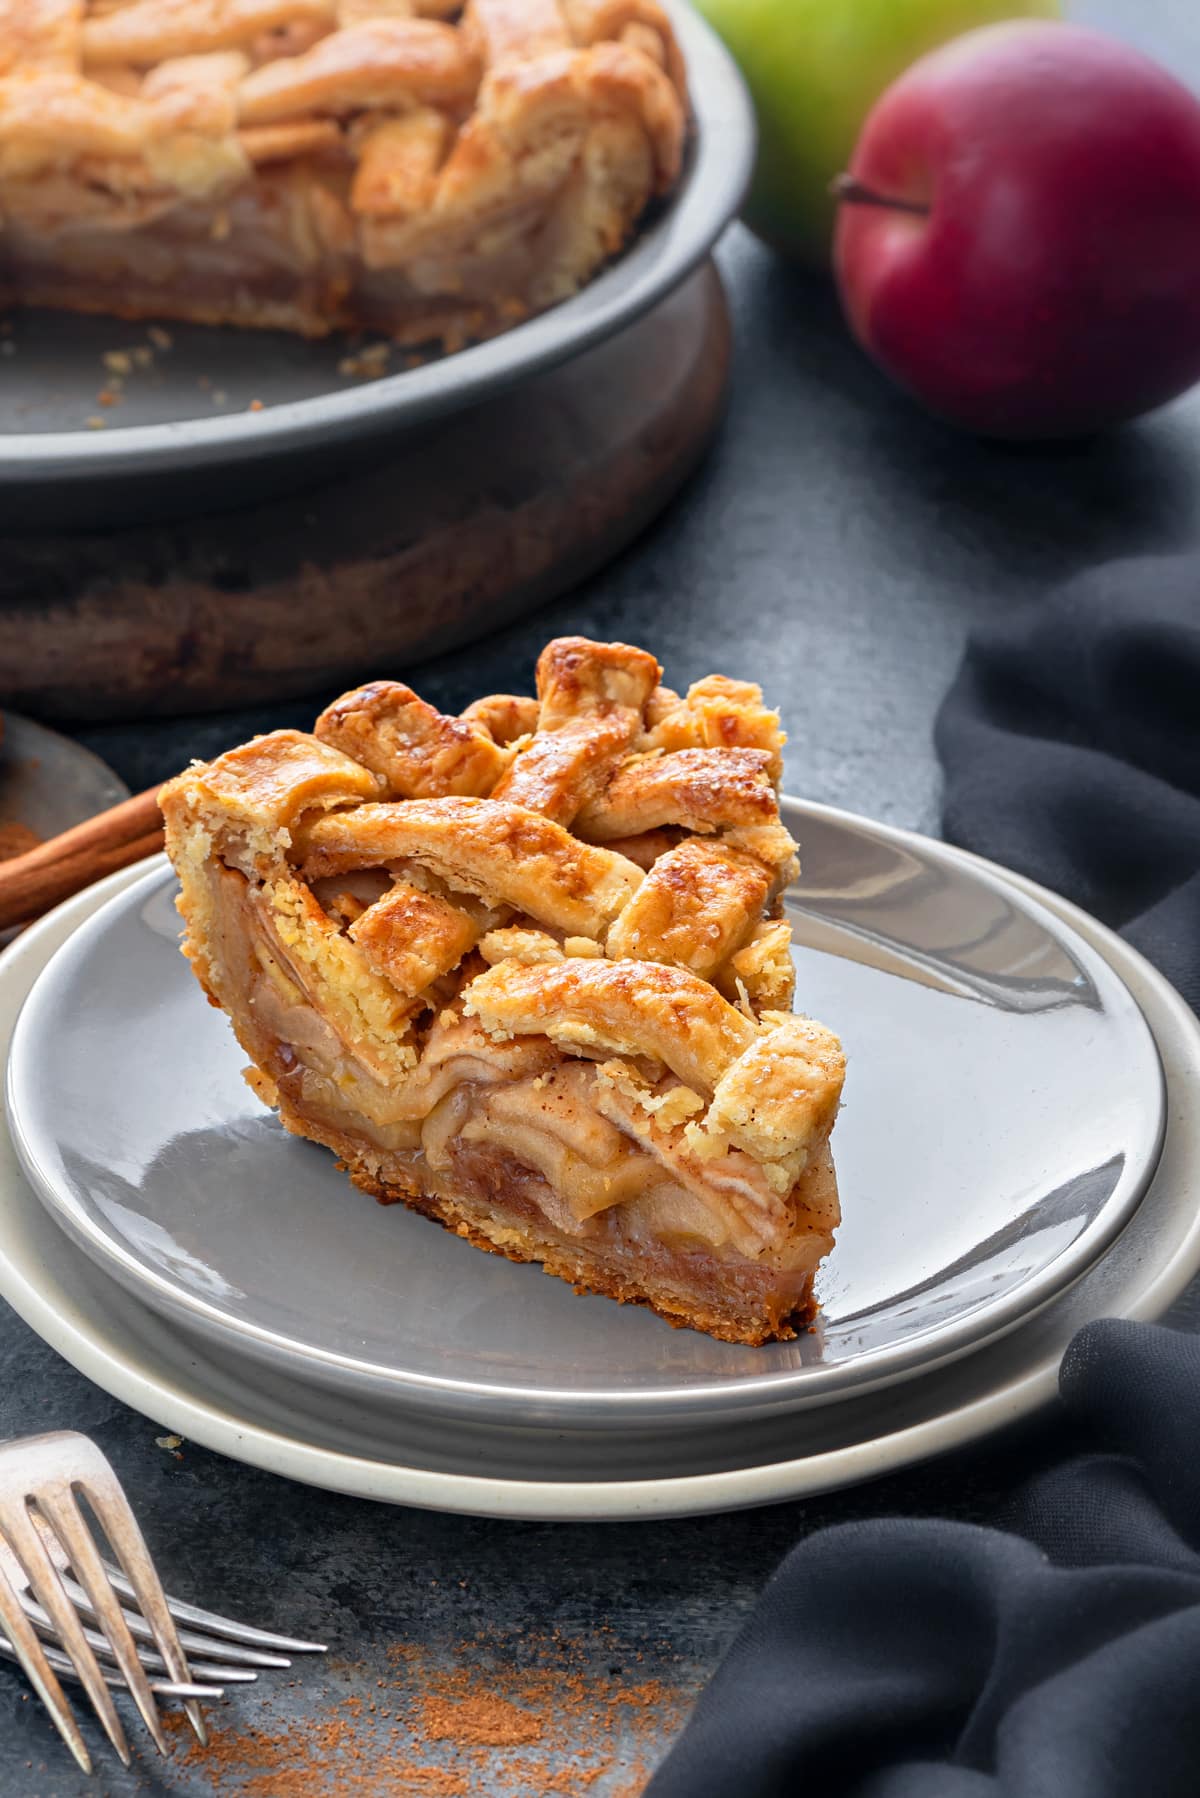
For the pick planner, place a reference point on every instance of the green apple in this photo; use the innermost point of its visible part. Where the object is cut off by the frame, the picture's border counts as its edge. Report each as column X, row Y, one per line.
column 815, row 68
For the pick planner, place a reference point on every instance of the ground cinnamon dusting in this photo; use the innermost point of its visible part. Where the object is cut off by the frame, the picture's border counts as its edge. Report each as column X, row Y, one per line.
column 534, row 1715
column 479, row 1719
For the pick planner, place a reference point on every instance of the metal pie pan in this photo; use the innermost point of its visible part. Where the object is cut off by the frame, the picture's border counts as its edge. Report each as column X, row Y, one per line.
column 194, row 413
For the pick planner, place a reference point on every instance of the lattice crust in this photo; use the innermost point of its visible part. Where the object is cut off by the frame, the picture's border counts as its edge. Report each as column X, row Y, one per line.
column 426, row 169
column 525, row 970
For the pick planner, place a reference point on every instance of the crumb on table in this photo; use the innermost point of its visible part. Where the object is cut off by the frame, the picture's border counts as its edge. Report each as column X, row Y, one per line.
column 366, row 364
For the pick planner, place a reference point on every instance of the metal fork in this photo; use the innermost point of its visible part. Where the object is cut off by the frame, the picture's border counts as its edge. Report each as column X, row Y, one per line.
column 54, row 1584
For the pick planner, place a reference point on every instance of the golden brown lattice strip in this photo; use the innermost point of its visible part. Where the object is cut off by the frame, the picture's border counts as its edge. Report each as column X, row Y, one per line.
column 39, row 34
column 591, row 705
column 718, row 713
column 46, row 117
column 197, row 93
column 641, row 23
column 781, row 1093
column 504, row 716
column 561, row 770
column 696, row 906
column 577, row 677
column 584, row 227
column 662, row 701
column 382, row 62
column 770, row 844
column 413, row 937
column 150, row 31
column 629, row 1007
column 251, row 797
column 500, row 852
column 193, row 146
column 622, row 83
column 527, row 137
column 420, row 752
column 702, row 789
column 351, row 12
column 524, row 28
column 398, row 163
column 288, row 141
column 762, row 970
column 516, row 942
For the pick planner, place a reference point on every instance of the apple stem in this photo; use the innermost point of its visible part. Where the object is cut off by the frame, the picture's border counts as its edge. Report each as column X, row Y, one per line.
column 851, row 191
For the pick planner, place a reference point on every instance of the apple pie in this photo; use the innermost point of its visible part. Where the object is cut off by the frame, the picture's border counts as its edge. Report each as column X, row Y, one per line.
column 429, row 170
column 525, row 970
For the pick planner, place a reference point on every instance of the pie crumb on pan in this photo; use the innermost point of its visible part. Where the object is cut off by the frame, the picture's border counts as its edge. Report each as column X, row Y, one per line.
column 525, row 970
column 431, row 171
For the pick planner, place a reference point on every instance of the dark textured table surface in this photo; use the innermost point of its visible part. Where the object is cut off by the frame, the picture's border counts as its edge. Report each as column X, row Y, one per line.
column 837, row 545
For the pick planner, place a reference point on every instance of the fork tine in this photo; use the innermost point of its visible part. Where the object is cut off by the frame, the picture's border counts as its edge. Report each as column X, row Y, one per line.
column 208, row 1668
column 219, row 1626
column 150, row 1658
column 42, row 1575
column 139, row 1629
column 104, row 1493
column 212, row 1673
column 59, row 1663
column 63, row 1514
column 29, row 1652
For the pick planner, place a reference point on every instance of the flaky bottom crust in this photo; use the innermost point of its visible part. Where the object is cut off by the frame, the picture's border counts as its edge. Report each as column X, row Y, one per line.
column 306, row 309
column 484, row 1202
column 751, row 1317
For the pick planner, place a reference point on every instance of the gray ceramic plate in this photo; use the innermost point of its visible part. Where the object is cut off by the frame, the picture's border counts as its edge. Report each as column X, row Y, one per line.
column 1004, row 1115
column 372, row 1447
column 190, row 411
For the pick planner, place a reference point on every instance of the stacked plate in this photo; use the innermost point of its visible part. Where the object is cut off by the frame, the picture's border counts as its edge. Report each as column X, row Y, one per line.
column 1015, row 1156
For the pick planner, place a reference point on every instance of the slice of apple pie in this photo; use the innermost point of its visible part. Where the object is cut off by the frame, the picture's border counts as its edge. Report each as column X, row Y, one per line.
column 525, row 970
column 431, row 170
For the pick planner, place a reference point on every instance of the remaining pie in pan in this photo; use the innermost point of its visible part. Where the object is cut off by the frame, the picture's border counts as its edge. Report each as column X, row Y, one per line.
column 425, row 169
column 525, row 971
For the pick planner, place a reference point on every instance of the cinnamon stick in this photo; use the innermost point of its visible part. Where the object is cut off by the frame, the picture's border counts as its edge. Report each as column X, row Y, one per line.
column 31, row 883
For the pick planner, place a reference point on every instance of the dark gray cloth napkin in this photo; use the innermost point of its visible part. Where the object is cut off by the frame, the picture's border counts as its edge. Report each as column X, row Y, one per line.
column 1058, row 1654
column 1071, row 748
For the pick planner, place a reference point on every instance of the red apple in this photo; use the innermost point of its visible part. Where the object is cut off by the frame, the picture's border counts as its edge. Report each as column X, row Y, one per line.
column 1018, row 240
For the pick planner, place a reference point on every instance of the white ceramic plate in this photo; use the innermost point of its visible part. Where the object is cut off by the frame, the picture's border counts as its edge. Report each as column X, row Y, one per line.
column 1003, row 1119
column 48, row 783
column 248, row 1411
